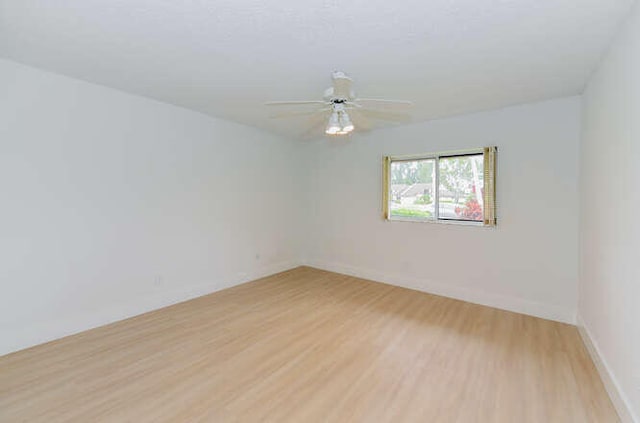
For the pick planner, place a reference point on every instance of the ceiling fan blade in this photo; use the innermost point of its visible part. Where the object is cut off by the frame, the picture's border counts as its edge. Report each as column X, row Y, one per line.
column 361, row 123
column 295, row 114
column 294, row 103
column 385, row 115
column 316, row 128
column 382, row 104
column 342, row 86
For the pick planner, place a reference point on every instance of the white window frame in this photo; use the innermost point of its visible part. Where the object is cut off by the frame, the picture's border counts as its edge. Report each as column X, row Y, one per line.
column 489, row 206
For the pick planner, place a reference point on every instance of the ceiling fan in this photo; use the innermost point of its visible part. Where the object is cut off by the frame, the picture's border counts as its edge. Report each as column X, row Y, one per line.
column 343, row 111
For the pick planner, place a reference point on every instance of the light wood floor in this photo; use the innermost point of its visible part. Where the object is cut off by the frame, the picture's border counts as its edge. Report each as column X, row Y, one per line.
column 306, row 346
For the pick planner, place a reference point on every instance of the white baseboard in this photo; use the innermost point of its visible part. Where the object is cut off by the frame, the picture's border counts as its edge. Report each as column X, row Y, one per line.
column 15, row 339
column 502, row 302
column 618, row 398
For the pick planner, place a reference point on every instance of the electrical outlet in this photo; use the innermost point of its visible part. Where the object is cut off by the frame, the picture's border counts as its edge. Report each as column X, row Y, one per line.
column 158, row 281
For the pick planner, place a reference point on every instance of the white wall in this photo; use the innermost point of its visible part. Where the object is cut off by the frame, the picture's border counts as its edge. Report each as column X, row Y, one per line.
column 610, row 228
column 112, row 205
column 529, row 263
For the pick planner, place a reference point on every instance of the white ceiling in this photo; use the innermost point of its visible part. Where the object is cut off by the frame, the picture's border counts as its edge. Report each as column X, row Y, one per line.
column 227, row 57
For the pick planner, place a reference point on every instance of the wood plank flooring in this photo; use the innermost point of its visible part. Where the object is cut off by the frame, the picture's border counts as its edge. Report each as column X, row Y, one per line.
column 308, row 346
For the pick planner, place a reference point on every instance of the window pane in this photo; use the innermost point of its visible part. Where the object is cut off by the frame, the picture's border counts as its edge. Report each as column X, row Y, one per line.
column 412, row 189
column 460, row 187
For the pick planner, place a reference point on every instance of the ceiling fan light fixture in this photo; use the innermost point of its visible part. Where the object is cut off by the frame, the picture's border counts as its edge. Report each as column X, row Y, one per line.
column 346, row 124
column 332, row 130
column 333, row 127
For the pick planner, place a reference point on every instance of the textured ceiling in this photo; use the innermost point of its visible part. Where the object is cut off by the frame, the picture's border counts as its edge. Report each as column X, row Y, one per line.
column 227, row 57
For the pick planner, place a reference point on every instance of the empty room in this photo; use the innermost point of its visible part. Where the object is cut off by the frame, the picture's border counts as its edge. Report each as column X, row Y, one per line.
column 319, row 211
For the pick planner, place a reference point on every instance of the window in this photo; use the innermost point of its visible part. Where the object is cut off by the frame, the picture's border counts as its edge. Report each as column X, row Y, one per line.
column 455, row 186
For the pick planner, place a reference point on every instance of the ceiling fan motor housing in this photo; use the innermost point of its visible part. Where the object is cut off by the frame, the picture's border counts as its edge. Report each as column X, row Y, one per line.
column 338, row 106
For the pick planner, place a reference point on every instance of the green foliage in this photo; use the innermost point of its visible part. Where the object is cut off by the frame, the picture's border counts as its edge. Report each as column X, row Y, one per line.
column 423, row 199
column 455, row 175
column 411, row 213
column 412, row 172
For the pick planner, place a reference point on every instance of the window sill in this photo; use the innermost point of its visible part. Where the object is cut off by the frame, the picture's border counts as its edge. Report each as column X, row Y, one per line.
column 441, row 222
